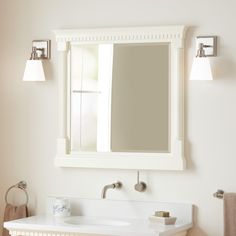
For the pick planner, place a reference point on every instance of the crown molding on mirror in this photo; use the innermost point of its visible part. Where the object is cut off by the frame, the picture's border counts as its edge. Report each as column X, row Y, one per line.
column 174, row 36
column 121, row 35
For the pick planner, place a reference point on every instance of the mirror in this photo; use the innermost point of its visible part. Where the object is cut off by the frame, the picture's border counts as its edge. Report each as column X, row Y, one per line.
column 134, row 80
column 140, row 95
column 121, row 98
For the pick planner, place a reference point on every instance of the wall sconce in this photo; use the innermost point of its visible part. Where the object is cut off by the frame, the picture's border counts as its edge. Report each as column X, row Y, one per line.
column 41, row 50
column 201, row 68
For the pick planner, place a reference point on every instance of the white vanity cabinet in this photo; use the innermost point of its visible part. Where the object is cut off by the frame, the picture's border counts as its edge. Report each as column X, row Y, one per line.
column 105, row 218
column 41, row 233
column 90, row 226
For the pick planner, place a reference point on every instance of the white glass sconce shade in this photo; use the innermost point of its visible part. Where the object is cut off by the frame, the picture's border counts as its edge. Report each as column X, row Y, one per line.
column 201, row 69
column 41, row 50
column 34, row 71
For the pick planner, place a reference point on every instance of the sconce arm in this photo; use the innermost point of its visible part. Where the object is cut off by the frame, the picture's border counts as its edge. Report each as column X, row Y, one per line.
column 34, row 54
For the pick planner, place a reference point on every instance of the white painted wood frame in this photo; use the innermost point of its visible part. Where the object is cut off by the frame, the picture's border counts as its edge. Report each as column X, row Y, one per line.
column 25, row 232
column 173, row 160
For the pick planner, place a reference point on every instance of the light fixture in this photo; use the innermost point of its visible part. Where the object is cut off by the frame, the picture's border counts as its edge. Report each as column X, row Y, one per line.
column 34, row 68
column 201, row 68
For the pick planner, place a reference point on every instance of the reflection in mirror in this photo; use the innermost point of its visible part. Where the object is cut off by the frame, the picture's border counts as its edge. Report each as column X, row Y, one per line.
column 84, row 85
column 140, row 98
column 120, row 98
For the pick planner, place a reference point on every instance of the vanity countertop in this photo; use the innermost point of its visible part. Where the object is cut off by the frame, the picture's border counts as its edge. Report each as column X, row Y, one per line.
column 131, row 227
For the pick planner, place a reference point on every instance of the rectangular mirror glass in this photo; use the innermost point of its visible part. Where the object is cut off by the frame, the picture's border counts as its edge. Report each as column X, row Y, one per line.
column 140, row 98
column 120, row 98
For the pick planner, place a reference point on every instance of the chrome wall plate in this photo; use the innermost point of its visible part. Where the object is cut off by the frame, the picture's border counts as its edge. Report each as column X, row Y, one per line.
column 209, row 41
column 43, row 44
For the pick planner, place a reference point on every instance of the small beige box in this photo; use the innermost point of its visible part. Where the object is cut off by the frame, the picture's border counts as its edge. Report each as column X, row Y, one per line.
column 163, row 220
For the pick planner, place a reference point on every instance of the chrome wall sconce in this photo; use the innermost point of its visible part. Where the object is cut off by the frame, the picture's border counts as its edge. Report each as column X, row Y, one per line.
column 41, row 50
column 201, row 68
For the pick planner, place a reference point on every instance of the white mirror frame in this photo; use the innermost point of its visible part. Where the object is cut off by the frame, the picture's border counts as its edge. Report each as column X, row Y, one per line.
column 173, row 160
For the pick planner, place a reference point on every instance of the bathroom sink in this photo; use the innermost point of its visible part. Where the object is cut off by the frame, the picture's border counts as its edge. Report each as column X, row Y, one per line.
column 81, row 221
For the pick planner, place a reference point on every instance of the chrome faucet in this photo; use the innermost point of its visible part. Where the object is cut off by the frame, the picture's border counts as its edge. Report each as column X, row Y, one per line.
column 110, row 186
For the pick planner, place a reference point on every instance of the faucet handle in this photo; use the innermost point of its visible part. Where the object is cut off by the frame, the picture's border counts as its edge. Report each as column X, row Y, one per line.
column 140, row 186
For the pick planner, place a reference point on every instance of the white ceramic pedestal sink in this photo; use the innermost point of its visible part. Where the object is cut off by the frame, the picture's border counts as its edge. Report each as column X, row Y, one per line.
column 82, row 221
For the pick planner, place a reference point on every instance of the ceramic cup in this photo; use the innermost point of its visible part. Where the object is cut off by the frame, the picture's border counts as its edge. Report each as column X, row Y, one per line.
column 61, row 207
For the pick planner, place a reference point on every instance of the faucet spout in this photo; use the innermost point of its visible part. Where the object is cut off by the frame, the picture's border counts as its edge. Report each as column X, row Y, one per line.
column 110, row 186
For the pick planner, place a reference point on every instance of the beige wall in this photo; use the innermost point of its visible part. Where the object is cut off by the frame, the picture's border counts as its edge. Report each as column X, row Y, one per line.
column 29, row 110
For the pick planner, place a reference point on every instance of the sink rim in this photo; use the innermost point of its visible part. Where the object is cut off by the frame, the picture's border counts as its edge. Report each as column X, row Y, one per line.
column 95, row 221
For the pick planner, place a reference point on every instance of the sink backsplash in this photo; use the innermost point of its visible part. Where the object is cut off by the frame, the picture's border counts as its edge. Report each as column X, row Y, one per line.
column 122, row 208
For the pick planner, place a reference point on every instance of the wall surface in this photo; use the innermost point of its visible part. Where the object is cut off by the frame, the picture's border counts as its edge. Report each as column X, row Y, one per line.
column 29, row 110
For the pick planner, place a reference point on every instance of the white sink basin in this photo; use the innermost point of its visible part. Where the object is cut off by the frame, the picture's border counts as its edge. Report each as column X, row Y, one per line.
column 79, row 221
